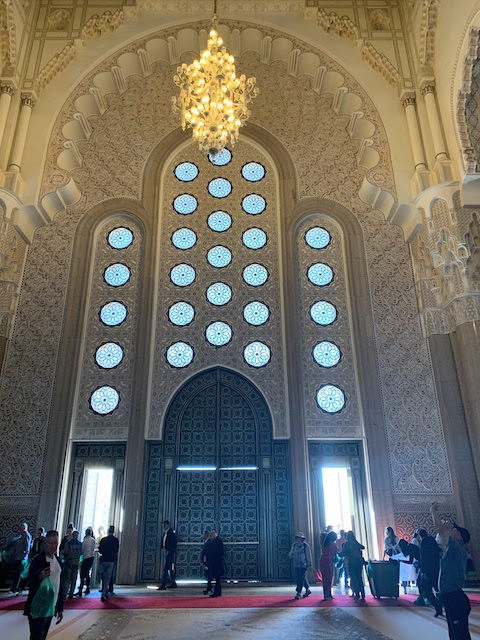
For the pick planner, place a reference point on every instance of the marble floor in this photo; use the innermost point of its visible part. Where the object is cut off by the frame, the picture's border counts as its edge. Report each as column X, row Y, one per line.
column 312, row 623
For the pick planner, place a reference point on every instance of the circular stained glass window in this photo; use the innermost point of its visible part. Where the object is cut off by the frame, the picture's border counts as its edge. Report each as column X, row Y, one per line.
column 219, row 256
column 185, row 204
column 326, row 354
column 117, row 274
column 184, row 238
column 181, row 313
column 104, row 400
column 186, row 171
column 218, row 334
column 182, row 275
column 120, row 238
column 257, row 354
column 323, row 313
column 253, row 171
column 256, row 313
column 330, row 398
column 219, row 221
column 113, row 313
column 317, row 238
column 219, row 293
column 219, row 187
column 320, row 274
column 109, row 355
column 221, row 158
column 255, row 275
column 179, row 354
column 254, row 238
column 254, row 204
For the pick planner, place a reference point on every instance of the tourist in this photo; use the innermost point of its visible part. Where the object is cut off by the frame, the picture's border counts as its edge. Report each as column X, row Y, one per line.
column 352, row 552
column 45, row 566
column 215, row 558
column 391, row 546
column 301, row 557
column 429, row 570
column 108, row 550
column 327, row 562
column 71, row 554
column 453, row 565
column 38, row 544
column 16, row 552
column 88, row 553
column 169, row 549
column 203, row 561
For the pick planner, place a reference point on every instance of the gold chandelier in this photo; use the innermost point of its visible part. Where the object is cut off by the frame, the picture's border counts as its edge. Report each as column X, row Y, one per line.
column 213, row 102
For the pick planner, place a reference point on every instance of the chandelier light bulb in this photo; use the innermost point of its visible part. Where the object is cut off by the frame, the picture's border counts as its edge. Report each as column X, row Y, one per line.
column 213, row 100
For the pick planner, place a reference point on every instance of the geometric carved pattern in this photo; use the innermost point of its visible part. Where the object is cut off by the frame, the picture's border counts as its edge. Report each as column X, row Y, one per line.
column 220, row 419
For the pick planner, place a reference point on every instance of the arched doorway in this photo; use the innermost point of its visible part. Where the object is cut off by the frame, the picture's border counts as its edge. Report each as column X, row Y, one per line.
column 218, row 466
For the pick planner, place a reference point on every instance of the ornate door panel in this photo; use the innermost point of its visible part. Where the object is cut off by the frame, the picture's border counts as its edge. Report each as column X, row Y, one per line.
column 220, row 420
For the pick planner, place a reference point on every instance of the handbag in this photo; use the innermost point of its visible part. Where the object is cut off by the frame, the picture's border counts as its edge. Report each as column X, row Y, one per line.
column 43, row 603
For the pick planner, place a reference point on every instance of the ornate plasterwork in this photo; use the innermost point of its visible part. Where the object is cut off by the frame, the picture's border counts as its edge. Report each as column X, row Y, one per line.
column 380, row 63
column 12, row 257
column 8, row 46
column 428, row 30
column 467, row 107
column 446, row 258
column 223, row 6
column 94, row 27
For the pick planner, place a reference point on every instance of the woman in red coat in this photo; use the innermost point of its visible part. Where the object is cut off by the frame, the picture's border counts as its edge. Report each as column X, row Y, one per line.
column 327, row 561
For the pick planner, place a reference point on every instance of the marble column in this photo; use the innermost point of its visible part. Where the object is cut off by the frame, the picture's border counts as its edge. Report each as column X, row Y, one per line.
column 21, row 133
column 428, row 92
column 6, row 93
column 409, row 105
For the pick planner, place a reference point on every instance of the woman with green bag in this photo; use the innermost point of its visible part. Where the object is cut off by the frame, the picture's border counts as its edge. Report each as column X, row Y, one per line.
column 44, row 595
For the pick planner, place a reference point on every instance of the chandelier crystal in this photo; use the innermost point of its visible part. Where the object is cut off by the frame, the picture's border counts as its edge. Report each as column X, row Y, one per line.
column 213, row 102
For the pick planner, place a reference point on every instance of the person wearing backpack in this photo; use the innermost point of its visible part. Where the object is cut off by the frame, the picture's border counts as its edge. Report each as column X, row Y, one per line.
column 301, row 556
column 44, row 595
column 72, row 552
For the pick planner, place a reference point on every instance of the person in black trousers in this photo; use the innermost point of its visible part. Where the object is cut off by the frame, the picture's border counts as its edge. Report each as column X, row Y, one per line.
column 169, row 548
column 215, row 559
column 203, row 562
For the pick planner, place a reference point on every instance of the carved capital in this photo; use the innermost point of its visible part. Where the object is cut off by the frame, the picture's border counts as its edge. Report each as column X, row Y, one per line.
column 28, row 100
column 427, row 87
column 408, row 99
column 7, row 88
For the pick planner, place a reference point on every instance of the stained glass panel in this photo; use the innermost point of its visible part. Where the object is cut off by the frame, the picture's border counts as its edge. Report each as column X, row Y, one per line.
column 109, row 355
column 323, row 313
column 116, row 275
column 218, row 334
column 219, row 256
column 219, row 293
column 326, row 354
column 255, row 275
column 185, row 204
column 254, row 204
column 179, row 354
column 184, row 238
column 257, row 354
column 320, row 274
column 317, row 238
column 120, row 238
column 219, row 221
column 254, row 238
column 256, row 313
column 219, row 187
column 330, row 398
column 181, row 313
column 104, row 400
column 186, row 171
column 253, row 171
column 221, row 158
column 182, row 275
column 113, row 313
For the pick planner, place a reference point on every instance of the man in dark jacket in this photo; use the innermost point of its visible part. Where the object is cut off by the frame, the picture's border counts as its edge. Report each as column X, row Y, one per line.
column 108, row 550
column 430, row 567
column 169, row 548
column 71, row 553
column 19, row 549
column 44, row 565
column 216, row 561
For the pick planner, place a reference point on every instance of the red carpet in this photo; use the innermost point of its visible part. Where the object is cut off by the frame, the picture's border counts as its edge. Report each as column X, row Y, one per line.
column 178, row 601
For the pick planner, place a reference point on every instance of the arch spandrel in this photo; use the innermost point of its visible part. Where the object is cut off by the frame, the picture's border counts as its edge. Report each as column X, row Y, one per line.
column 325, row 120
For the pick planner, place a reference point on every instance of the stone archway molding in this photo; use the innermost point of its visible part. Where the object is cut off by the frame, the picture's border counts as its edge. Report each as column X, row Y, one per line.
column 172, row 49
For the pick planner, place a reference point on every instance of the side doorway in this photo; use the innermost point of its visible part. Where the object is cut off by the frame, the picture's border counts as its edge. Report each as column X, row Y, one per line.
column 339, row 491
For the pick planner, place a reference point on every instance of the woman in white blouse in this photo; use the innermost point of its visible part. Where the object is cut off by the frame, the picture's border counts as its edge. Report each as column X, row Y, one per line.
column 88, row 552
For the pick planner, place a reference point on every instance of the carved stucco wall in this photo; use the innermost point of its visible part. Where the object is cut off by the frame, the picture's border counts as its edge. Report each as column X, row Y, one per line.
column 325, row 157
